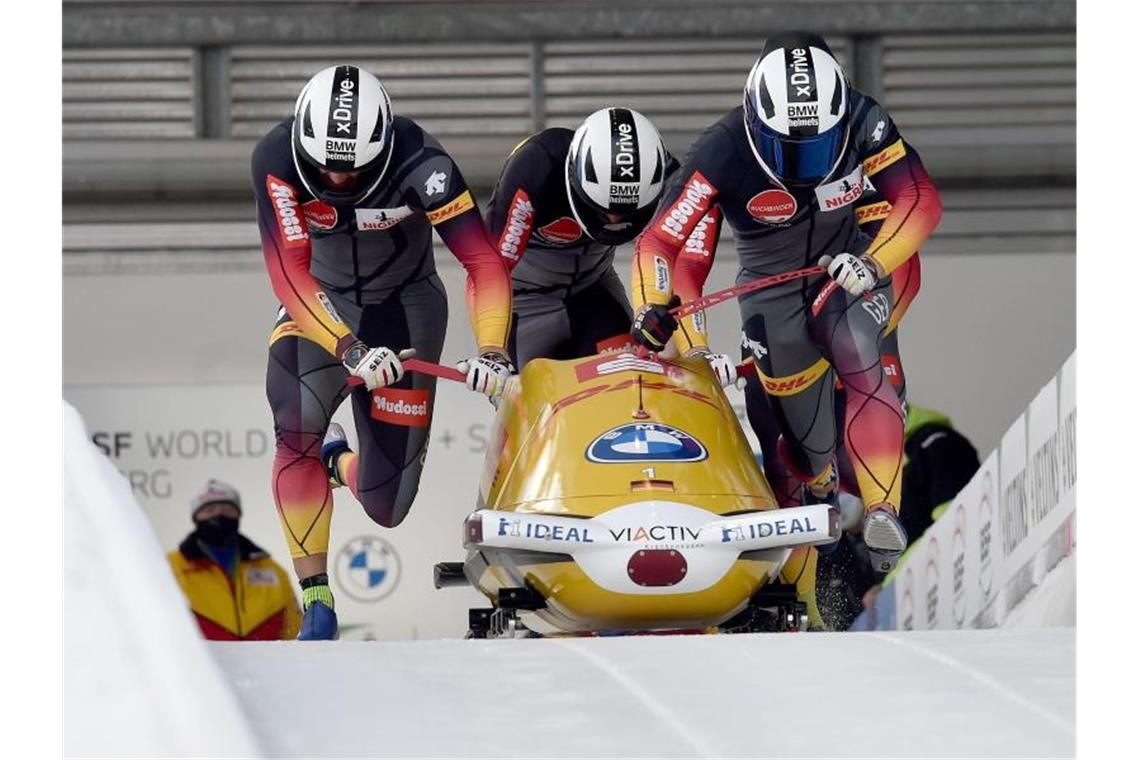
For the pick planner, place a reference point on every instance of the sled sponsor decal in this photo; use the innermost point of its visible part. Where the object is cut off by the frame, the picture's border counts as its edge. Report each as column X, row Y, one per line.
column 645, row 442
column 842, row 192
column 618, row 344
column 884, row 158
column 767, row 528
column 561, row 231
column 402, row 406
column 283, row 196
column 772, row 206
column 451, row 210
column 370, row 219
column 607, row 365
column 520, row 528
column 319, row 215
column 654, row 385
column 653, row 530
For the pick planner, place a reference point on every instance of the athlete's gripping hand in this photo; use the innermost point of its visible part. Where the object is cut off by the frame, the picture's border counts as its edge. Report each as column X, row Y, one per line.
column 653, row 325
column 377, row 367
column 487, row 374
column 722, row 365
column 853, row 274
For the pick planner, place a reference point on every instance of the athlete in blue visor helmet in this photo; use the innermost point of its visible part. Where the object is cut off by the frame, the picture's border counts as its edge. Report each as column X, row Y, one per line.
column 795, row 109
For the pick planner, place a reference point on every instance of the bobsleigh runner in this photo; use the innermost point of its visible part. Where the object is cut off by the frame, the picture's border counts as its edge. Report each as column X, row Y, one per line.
column 619, row 494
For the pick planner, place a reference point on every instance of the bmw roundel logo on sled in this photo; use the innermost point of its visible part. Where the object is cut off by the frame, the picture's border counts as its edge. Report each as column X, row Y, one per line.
column 646, row 442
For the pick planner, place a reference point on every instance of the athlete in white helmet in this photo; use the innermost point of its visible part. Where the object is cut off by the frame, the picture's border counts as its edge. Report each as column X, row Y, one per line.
column 347, row 197
column 564, row 201
column 786, row 169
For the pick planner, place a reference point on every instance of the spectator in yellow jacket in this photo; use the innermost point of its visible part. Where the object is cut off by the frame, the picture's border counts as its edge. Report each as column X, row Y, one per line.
column 236, row 591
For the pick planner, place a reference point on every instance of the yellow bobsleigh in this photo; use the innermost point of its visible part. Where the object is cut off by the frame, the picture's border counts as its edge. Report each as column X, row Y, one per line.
column 619, row 494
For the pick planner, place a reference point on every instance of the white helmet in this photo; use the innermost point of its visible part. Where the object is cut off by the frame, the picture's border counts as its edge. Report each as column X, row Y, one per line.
column 795, row 109
column 615, row 173
column 342, row 123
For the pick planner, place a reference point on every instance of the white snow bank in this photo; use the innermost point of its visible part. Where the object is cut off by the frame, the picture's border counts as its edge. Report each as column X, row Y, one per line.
column 138, row 679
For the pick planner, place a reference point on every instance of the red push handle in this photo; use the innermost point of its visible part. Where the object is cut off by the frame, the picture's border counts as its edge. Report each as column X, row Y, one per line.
column 423, row 367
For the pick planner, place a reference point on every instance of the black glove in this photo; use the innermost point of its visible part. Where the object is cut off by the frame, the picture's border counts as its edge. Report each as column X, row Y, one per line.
column 653, row 325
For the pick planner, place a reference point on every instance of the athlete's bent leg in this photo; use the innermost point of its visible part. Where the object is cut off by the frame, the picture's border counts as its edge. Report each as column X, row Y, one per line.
column 304, row 385
column 385, row 474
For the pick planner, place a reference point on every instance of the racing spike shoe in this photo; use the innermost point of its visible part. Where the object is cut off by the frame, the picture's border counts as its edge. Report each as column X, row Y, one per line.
column 885, row 537
column 319, row 622
column 335, row 444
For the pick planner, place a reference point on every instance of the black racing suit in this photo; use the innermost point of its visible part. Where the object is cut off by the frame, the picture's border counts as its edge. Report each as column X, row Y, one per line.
column 568, row 300
column 363, row 272
column 804, row 332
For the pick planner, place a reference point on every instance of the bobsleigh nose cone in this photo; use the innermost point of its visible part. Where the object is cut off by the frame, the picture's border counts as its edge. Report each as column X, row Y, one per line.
column 657, row 567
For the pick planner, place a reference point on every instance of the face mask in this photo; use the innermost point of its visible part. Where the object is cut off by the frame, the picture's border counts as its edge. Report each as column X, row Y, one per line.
column 217, row 530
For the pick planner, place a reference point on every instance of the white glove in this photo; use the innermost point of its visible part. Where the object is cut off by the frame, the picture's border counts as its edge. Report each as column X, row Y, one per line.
column 722, row 366
column 487, row 374
column 853, row 274
column 377, row 367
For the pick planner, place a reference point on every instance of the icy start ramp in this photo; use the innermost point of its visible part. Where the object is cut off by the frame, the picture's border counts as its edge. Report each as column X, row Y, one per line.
column 994, row 693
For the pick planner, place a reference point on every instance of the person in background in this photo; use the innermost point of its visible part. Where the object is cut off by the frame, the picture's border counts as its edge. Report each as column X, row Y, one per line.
column 235, row 589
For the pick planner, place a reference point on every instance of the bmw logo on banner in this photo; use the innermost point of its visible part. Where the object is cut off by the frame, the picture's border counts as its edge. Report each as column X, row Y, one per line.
column 368, row 568
column 646, row 442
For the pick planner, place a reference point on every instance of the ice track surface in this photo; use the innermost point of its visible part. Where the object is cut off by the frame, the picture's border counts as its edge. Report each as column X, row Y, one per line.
column 992, row 693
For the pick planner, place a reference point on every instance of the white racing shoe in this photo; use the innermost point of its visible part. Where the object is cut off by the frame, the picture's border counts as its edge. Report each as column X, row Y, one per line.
column 885, row 538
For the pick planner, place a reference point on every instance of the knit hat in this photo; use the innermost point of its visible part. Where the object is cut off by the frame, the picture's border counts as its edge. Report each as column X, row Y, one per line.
column 216, row 492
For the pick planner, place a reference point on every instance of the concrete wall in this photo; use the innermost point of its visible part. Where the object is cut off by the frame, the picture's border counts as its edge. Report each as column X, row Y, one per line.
column 985, row 333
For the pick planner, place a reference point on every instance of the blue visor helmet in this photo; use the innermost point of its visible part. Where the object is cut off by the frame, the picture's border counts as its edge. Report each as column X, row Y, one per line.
column 796, row 109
